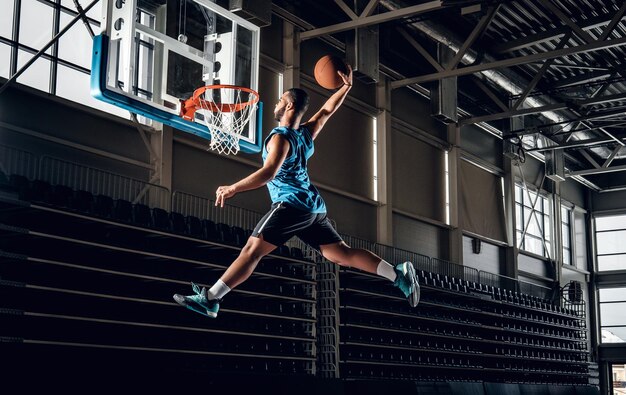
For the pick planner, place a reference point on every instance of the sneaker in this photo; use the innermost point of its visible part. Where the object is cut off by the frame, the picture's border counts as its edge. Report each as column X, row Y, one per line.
column 407, row 282
column 199, row 302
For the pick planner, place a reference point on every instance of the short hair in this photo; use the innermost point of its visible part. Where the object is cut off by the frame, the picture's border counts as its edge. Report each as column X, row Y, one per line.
column 300, row 100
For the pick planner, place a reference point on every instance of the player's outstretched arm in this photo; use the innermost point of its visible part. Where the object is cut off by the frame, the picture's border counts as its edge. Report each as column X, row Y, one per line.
column 277, row 150
column 317, row 121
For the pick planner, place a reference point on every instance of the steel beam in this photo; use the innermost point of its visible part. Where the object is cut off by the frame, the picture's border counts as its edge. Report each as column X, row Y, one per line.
column 421, row 50
column 593, row 162
column 490, row 94
column 542, row 71
column 369, row 8
column 596, row 171
column 535, row 129
column 581, row 79
column 616, row 19
column 568, row 21
column 474, row 35
column 514, row 113
column 550, row 35
column 347, row 9
column 595, row 46
column 548, row 107
column 575, row 144
column 611, row 157
column 374, row 19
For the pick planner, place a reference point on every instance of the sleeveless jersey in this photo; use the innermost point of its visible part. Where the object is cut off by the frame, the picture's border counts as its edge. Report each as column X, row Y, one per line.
column 291, row 184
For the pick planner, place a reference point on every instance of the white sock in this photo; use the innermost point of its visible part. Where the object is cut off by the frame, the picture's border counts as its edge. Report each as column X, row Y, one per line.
column 218, row 290
column 386, row 270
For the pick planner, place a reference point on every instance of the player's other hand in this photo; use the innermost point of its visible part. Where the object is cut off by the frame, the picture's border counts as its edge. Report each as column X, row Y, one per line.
column 222, row 193
column 347, row 78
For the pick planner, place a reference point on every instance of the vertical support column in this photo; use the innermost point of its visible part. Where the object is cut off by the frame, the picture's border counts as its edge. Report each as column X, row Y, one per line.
column 163, row 144
column 384, row 234
column 557, row 242
column 455, row 234
column 291, row 56
column 509, row 266
column 594, row 319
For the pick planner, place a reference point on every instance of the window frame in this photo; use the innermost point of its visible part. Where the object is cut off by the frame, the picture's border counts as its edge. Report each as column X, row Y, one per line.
column 543, row 208
column 600, row 303
column 570, row 227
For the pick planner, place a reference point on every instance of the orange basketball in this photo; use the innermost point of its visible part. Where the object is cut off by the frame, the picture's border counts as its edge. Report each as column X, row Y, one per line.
column 326, row 71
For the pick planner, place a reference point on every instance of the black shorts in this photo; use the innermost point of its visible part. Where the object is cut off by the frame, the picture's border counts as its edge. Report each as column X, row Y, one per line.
column 283, row 222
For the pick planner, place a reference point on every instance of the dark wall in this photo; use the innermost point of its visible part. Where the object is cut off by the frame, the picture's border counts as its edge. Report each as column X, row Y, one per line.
column 43, row 132
column 482, row 145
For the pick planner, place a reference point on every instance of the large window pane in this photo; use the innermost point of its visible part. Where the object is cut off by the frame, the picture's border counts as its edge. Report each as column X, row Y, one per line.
column 614, row 335
column 612, row 262
column 75, row 45
column 613, row 313
column 37, row 75
column 6, row 18
column 611, row 242
column 610, row 223
column 612, row 295
column 533, row 245
column 567, row 256
column 5, row 60
column 74, row 85
column 36, row 24
column 565, row 232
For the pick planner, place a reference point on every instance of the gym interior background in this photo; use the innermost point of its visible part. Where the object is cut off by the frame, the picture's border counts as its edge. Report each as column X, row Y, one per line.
column 483, row 141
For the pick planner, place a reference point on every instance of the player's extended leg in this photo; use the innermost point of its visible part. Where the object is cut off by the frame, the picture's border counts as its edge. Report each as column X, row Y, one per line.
column 239, row 271
column 207, row 302
column 403, row 275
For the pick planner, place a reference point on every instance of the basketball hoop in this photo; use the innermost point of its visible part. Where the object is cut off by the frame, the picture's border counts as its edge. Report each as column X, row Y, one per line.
column 225, row 110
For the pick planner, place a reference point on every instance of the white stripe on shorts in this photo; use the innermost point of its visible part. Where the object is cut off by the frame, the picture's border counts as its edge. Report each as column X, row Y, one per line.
column 269, row 217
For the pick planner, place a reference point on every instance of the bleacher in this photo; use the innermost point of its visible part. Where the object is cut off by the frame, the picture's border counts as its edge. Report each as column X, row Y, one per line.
column 88, row 273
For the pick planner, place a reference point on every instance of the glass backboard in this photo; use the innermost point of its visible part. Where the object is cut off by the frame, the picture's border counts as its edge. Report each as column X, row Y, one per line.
column 152, row 54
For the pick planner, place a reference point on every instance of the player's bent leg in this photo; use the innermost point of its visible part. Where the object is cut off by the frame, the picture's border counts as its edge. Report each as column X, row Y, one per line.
column 403, row 275
column 342, row 254
column 207, row 304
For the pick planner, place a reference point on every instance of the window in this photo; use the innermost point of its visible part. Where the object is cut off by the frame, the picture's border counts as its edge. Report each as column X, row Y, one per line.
column 566, row 234
column 532, row 215
column 619, row 379
column 6, row 19
column 64, row 69
column 375, row 153
column 613, row 315
column 611, row 242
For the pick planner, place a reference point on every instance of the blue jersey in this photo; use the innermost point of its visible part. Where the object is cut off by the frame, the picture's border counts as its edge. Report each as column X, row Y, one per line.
column 291, row 184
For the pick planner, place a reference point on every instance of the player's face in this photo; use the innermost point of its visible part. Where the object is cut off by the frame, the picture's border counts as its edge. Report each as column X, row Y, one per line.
column 280, row 108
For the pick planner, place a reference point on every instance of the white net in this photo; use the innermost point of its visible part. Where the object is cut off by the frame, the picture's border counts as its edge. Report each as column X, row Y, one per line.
column 226, row 110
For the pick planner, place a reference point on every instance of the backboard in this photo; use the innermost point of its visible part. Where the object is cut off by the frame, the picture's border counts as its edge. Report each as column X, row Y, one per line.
column 152, row 54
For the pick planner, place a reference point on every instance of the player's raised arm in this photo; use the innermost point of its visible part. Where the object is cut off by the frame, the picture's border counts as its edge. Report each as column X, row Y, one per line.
column 317, row 121
column 277, row 150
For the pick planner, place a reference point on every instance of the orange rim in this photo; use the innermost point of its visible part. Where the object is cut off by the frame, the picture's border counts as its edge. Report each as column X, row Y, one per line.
column 191, row 105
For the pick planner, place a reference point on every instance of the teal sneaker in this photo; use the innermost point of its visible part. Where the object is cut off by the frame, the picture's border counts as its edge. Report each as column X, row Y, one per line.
column 407, row 282
column 199, row 302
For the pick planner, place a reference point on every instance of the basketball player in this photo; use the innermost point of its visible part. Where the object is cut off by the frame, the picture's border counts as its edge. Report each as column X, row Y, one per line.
column 297, row 209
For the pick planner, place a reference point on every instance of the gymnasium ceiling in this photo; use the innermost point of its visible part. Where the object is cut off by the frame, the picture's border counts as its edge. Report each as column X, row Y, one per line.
column 553, row 66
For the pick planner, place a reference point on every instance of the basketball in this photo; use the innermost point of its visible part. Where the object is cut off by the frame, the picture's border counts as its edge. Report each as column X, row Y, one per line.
column 326, row 71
